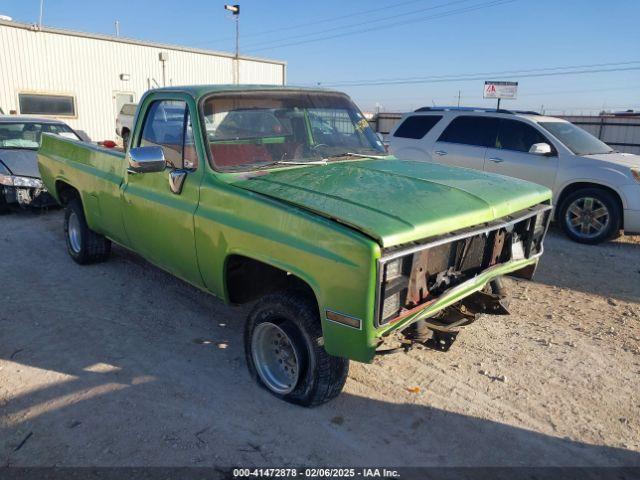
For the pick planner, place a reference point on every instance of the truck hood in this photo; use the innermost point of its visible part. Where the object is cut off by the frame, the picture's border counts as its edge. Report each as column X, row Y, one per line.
column 624, row 159
column 394, row 201
column 20, row 162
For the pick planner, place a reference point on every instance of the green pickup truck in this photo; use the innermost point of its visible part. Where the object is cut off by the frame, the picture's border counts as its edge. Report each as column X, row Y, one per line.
column 285, row 197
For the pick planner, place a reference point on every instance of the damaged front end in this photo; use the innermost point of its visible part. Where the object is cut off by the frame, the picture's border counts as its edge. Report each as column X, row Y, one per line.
column 24, row 191
column 446, row 282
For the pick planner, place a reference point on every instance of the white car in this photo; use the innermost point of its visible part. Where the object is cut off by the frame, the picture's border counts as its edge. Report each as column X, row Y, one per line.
column 596, row 190
column 124, row 121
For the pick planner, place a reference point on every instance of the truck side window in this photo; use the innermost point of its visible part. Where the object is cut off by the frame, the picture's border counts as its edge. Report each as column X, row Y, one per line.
column 471, row 130
column 518, row 136
column 168, row 125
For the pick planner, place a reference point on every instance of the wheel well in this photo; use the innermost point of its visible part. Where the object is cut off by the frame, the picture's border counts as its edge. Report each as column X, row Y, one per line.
column 248, row 279
column 66, row 192
column 569, row 189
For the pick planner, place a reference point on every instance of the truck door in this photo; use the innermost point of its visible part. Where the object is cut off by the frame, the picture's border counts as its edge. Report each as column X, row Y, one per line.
column 158, row 220
column 465, row 140
column 510, row 155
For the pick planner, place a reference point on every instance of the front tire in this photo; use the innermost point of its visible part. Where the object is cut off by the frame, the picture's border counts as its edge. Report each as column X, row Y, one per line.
column 590, row 215
column 284, row 354
column 83, row 244
column 4, row 206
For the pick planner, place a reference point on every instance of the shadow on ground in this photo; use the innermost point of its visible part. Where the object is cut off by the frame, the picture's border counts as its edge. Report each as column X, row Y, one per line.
column 180, row 404
column 124, row 379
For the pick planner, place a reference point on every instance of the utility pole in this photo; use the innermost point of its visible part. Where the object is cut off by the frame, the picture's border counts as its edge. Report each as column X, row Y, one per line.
column 458, row 98
column 235, row 10
column 41, row 12
column 117, row 28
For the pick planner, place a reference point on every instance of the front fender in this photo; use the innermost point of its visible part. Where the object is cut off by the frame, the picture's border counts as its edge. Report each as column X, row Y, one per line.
column 336, row 262
column 604, row 176
column 412, row 153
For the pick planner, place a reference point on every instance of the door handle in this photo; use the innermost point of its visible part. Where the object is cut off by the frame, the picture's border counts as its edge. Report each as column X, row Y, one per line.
column 440, row 152
column 131, row 171
column 496, row 160
column 176, row 180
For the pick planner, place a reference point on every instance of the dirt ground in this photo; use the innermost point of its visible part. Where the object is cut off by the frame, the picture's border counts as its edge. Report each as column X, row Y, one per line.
column 118, row 364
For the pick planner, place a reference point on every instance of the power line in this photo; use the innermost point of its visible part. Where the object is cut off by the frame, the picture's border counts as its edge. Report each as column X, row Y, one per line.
column 378, row 20
column 484, row 77
column 501, row 72
column 421, row 19
column 556, row 92
column 316, row 22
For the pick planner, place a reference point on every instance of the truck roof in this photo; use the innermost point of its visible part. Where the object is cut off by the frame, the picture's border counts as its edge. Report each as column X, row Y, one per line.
column 200, row 90
column 27, row 119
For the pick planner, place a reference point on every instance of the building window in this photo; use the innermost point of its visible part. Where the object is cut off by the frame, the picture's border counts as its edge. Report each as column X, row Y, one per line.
column 43, row 104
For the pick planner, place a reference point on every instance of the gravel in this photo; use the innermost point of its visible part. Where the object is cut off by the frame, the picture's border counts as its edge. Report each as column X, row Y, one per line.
column 121, row 364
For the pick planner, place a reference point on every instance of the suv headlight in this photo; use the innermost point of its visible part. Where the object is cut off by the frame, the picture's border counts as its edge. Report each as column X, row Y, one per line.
column 15, row 181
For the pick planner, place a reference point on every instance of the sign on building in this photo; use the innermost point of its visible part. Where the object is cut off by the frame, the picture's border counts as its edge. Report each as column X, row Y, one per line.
column 507, row 90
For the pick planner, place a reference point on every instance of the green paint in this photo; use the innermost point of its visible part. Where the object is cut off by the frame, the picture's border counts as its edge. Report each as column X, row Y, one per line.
column 325, row 224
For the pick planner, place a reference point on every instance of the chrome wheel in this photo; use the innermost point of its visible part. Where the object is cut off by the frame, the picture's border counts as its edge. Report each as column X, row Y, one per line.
column 73, row 231
column 587, row 217
column 275, row 357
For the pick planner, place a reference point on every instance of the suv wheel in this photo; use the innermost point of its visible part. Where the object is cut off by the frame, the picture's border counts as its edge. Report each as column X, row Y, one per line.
column 83, row 244
column 284, row 354
column 590, row 215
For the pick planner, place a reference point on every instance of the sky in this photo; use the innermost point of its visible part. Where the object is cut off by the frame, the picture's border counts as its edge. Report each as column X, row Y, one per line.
column 416, row 52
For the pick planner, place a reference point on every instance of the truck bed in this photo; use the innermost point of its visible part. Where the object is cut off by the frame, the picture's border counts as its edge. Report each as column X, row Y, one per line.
column 64, row 163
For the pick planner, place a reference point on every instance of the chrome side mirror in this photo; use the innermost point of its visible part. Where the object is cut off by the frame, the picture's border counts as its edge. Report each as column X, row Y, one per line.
column 540, row 149
column 146, row 159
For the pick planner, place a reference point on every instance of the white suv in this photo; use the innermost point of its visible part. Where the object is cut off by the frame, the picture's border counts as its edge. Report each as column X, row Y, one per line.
column 596, row 189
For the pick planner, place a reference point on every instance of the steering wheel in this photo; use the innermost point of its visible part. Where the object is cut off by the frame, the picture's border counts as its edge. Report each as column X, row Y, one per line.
column 319, row 145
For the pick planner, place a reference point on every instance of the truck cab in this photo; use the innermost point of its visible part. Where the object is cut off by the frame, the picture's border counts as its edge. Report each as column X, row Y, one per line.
column 285, row 197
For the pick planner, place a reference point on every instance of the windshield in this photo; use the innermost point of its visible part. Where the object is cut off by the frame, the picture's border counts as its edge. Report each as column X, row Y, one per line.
column 575, row 138
column 256, row 129
column 27, row 134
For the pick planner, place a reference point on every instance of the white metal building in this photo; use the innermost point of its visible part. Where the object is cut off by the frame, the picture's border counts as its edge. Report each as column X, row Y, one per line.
column 83, row 79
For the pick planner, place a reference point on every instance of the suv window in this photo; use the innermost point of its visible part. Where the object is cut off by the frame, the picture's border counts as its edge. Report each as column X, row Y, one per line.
column 518, row 136
column 168, row 125
column 417, row 126
column 471, row 130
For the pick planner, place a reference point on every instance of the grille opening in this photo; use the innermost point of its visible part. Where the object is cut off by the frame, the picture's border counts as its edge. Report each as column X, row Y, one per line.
column 426, row 274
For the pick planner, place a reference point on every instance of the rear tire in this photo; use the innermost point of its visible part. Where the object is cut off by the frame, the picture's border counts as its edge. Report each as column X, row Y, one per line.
column 284, row 354
column 83, row 244
column 590, row 215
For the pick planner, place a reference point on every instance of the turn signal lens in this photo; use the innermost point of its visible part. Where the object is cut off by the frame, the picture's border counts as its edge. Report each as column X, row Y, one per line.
column 635, row 173
column 6, row 180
